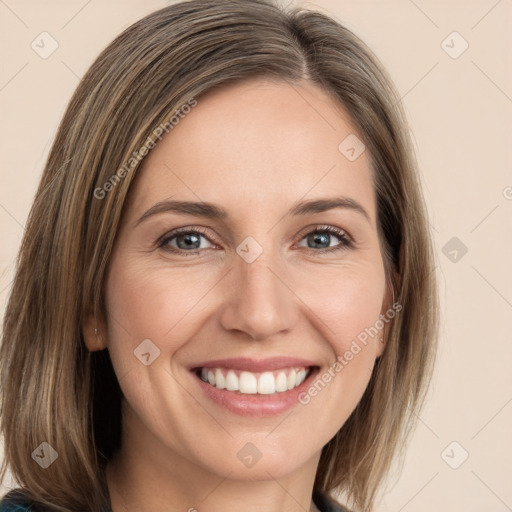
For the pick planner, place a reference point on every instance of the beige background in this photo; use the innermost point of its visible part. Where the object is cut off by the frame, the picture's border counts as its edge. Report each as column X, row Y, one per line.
column 460, row 111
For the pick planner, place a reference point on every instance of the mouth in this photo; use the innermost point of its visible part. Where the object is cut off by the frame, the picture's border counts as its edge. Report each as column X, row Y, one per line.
column 257, row 388
column 252, row 383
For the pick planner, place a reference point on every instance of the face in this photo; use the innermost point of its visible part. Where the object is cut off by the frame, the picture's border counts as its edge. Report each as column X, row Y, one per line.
column 230, row 321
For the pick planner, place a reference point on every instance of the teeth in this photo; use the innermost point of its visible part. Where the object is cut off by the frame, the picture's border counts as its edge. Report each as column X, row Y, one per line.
column 220, row 382
column 248, row 383
column 266, row 383
column 281, row 382
column 232, row 381
column 292, row 377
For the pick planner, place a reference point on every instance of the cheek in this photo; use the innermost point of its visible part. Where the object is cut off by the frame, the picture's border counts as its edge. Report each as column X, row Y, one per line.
column 153, row 314
column 150, row 318
column 347, row 302
column 145, row 303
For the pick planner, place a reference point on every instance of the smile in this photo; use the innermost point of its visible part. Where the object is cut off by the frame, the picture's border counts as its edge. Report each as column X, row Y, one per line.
column 253, row 387
column 250, row 383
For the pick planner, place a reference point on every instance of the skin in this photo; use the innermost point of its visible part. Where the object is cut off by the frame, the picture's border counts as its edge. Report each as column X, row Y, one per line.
column 254, row 148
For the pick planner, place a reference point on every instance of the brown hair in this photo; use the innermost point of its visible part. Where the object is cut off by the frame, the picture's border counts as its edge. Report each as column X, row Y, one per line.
column 52, row 388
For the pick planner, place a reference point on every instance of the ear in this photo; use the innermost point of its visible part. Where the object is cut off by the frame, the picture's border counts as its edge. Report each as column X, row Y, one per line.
column 390, row 308
column 94, row 332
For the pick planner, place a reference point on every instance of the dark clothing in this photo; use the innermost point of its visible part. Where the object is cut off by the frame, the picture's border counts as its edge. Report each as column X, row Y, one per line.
column 14, row 501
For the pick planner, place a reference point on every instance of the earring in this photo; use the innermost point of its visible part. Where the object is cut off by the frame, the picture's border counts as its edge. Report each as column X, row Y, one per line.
column 95, row 331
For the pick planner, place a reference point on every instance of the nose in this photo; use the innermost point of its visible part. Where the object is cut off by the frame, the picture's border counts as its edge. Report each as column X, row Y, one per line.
column 258, row 299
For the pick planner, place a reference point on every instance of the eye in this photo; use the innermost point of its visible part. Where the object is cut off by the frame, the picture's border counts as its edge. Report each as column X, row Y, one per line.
column 184, row 240
column 189, row 241
column 321, row 237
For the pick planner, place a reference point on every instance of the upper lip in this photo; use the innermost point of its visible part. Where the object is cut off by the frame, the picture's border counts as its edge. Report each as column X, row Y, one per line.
column 255, row 365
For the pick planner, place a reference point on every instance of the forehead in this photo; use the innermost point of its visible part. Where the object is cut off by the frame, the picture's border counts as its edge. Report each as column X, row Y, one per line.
column 257, row 144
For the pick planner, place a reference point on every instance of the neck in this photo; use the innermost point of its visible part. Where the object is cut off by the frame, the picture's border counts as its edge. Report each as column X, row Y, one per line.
column 147, row 476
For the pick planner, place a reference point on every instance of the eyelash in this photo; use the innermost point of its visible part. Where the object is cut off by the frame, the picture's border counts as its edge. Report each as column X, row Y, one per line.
column 346, row 242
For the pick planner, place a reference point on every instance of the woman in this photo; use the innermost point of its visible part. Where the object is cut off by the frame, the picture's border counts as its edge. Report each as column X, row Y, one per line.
column 206, row 158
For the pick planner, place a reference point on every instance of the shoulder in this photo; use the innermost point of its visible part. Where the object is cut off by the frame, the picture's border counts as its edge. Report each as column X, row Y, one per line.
column 325, row 503
column 16, row 501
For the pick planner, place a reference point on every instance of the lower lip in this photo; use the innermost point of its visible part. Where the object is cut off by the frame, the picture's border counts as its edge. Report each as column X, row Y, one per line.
column 255, row 404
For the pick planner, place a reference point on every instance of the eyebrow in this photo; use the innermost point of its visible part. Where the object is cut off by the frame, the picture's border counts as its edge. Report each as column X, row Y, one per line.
column 213, row 211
